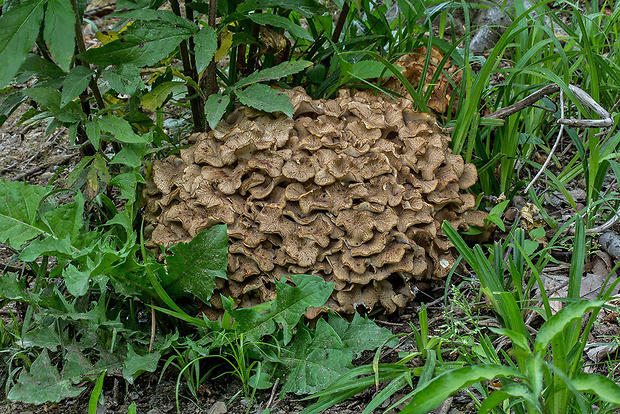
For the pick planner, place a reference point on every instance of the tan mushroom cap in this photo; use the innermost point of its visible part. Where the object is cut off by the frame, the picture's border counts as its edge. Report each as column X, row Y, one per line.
column 359, row 226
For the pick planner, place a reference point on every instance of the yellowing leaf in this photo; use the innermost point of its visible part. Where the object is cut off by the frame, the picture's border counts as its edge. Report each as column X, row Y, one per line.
column 110, row 36
column 226, row 39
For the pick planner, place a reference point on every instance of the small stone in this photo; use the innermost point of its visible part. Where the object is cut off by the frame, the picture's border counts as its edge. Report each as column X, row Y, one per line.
column 218, row 408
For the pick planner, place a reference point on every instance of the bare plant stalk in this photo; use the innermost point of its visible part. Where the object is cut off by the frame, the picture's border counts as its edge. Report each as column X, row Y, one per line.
column 342, row 18
column 253, row 51
column 194, row 95
column 211, row 80
column 79, row 38
column 153, row 326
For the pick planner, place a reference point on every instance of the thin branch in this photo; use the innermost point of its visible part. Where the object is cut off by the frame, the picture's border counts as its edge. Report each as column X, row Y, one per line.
column 523, row 103
column 555, row 145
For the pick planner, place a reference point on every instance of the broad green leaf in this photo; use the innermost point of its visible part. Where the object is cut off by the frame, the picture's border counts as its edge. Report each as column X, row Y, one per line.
column 518, row 339
column 121, row 130
column 563, row 318
column 433, row 393
column 130, row 155
column 77, row 281
column 515, row 390
column 277, row 72
column 137, row 4
column 124, row 78
column 59, row 31
column 49, row 246
column 137, row 364
column 144, row 43
column 127, row 182
column 42, row 384
column 93, row 132
column 195, row 265
column 280, row 21
column 359, row 335
column 206, row 45
column 75, row 83
column 155, row 99
column 266, row 99
column 215, row 108
column 367, row 69
column 314, row 361
column 159, row 15
column 76, row 365
column 308, row 8
column 65, row 220
column 13, row 288
column 19, row 28
column 35, row 65
column 605, row 388
column 50, row 99
column 10, row 104
column 18, row 213
column 289, row 306
column 47, row 97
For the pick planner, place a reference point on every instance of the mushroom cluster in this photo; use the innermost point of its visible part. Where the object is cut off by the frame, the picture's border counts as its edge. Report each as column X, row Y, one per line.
column 420, row 62
column 353, row 189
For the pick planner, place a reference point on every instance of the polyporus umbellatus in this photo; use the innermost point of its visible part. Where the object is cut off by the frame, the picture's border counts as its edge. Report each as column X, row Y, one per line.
column 353, row 189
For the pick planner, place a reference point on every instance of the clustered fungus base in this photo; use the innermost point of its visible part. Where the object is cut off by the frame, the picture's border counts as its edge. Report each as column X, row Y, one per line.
column 353, row 189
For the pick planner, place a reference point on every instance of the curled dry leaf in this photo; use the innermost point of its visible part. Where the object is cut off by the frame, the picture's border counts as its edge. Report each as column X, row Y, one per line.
column 353, row 189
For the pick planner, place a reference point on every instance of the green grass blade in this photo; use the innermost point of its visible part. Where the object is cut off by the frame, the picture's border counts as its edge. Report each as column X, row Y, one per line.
column 557, row 323
column 392, row 388
column 603, row 387
column 513, row 390
column 94, row 396
column 431, row 395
